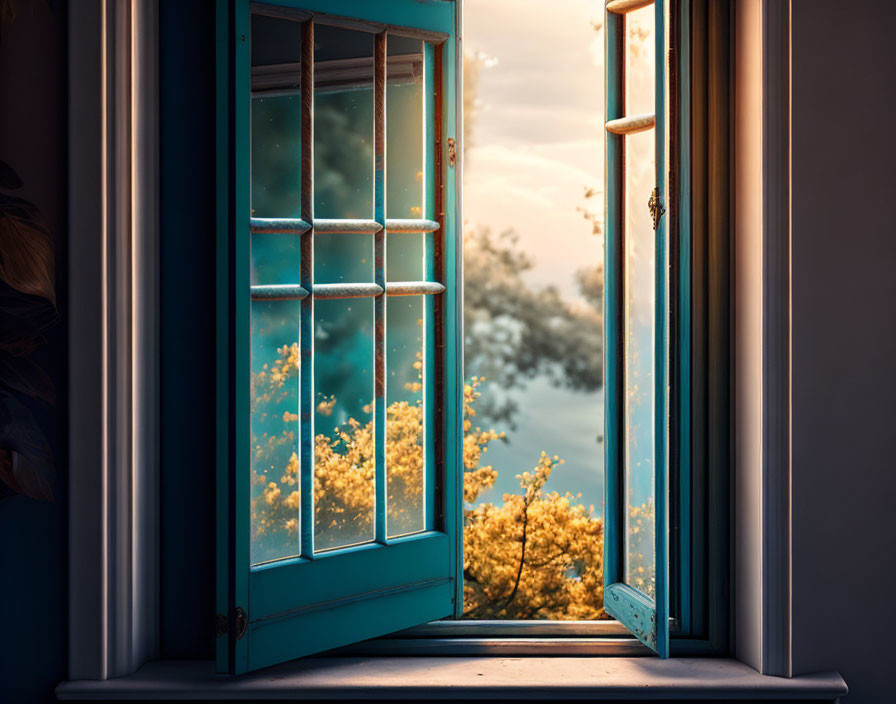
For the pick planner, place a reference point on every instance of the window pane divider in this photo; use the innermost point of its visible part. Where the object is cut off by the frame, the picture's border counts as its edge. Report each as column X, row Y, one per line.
column 632, row 124
column 347, row 227
column 306, row 278
column 620, row 7
column 379, row 275
column 278, row 292
column 294, row 292
column 278, row 226
column 411, row 226
column 413, row 288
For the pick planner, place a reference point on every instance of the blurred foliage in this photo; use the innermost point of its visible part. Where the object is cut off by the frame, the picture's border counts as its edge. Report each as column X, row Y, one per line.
column 536, row 555
column 514, row 331
column 27, row 310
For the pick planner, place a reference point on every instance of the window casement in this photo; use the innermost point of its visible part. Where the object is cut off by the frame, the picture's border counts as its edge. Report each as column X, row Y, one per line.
column 636, row 576
column 361, row 234
column 290, row 277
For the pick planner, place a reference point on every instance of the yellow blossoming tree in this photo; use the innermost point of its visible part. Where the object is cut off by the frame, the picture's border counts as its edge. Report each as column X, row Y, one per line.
column 537, row 554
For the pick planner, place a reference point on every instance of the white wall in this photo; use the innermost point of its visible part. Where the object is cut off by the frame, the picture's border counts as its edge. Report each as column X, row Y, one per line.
column 844, row 342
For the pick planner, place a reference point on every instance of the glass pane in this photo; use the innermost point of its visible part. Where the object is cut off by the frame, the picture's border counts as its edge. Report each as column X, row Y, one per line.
column 276, row 144
column 343, row 123
column 404, row 127
column 276, row 155
column 343, row 415
column 274, row 430
column 533, row 297
column 640, row 53
column 343, row 258
column 274, row 351
column 404, row 414
column 405, row 256
column 640, row 319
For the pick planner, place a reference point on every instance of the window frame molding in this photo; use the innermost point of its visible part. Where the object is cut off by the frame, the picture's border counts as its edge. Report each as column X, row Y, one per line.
column 113, row 338
column 113, row 343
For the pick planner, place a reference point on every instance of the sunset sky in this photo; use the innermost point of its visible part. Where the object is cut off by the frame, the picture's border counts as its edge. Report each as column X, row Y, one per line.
column 537, row 143
column 538, row 134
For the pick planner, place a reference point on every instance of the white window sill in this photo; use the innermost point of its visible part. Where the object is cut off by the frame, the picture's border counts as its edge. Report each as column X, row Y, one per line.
column 452, row 678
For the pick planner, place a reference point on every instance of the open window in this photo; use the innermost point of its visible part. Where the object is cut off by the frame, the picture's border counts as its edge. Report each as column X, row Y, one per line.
column 342, row 394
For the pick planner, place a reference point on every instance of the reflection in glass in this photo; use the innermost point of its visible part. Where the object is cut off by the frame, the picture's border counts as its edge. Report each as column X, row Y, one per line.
column 640, row 53
column 404, row 419
column 405, row 256
column 404, row 127
column 638, row 407
column 343, row 258
column 274, row 428
column 276, row 144
column 343, row 414
column 274, row 325
column 343, row 123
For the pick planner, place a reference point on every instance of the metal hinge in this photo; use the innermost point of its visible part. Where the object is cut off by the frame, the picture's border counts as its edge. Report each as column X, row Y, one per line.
column 452, row 151
column 235, row 625
column 656, row 207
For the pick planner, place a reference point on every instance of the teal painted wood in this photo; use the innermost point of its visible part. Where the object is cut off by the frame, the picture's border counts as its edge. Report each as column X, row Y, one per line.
column 319, row 601
column 661, row 374
column 622, row 601
column 613, row 248
column 386, row 613
column 379, row 273
column 429, row 303
column 635, row 610
column 306, row 320
column 279, row 587
column 427, row 15
column 449, row 75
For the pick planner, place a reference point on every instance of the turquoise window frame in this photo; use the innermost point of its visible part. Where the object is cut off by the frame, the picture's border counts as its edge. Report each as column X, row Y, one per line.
column 692, row 616
column 278, row 611
column 647, row 618
column 698, row 583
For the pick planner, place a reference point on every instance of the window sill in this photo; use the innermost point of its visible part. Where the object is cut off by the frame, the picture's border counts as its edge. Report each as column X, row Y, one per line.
column 452, row 678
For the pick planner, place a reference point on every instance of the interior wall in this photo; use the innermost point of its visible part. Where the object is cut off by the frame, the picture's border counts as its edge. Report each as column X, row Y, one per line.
column 844, row 341
column 33, row 534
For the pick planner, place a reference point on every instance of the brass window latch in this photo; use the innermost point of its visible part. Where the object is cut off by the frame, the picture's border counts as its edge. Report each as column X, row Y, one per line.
column 656, row 207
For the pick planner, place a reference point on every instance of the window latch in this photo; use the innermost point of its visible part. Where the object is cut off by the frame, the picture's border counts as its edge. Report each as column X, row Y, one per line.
column 656, row 207
column 236, row 624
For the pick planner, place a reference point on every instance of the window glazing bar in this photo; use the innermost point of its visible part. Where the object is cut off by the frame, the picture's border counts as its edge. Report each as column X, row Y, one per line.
column 328, row 291
column 412, row 226
column 294, row 292
column 620, row 7
column 414, row 288
column 631, row 125
column 379, row 275
column 347, row 227
column 277, row 292
column 298, row 226
column 278, row 226
column 306, row 278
